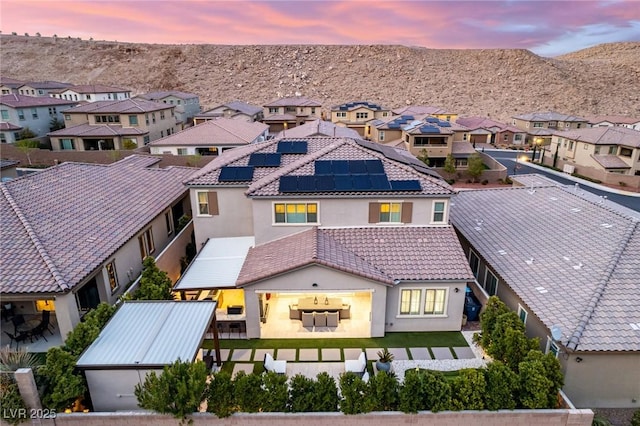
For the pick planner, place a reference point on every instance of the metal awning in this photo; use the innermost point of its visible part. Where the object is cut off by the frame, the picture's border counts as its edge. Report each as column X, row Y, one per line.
column 217, row 265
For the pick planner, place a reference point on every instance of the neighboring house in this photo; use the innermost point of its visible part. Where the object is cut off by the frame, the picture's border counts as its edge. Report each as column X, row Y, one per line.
column 545, row 124
column 8, row 169
column 33, row 112
column 187, row 105
column 237, row 110
column 319, row 128
column 9, row 85
column 75, row 235
column 569, row 267
column 142, row 337
column 437, row 112
column 422, row 134
column 211, row 138
column 107, row 125
column 41, row 88
column 9, row 133
column 615, row 121
column 351, row 223
column 609, row 154
column 485, row 130
column 356, row 115
column 91, row 93
column 285, row 113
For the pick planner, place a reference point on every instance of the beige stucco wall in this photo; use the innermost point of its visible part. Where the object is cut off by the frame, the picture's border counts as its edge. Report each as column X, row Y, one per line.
column 343, row 212
column 328, row 281
column 435, row 151
column 113, row 390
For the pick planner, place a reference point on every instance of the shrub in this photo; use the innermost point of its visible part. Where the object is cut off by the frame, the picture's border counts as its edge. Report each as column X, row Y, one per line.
column 501, row 385
column 64, row 384
column 301, row 394
column 495, row 307
column 326, row 393
column 154, row 283
column 552, row 370
column 10, row 400
column 354, row 391
column 485, row 182
column 88, row 330
column 534, row 385
column 178, row 390
column 468, row 390
column 248, row 392
column 221, row 395
column 129, row 144
column 12, row 360
column 635, row 420
column 424, row 390
column 383, row 389
column 277, row 392
column 475, row 166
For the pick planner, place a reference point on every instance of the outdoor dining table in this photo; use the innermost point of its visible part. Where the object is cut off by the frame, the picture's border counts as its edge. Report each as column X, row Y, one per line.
column 319, row 304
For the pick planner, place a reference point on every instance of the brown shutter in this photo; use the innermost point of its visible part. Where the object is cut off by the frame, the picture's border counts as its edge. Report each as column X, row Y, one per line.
column 407, row 212
column 374, row 212
column 213, row 203
column 143, row 254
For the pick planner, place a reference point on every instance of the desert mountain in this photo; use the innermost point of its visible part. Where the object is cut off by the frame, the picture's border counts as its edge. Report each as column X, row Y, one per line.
column 496, row 82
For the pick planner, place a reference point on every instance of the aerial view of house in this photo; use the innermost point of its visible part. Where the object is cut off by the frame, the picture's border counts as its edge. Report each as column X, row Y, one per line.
column 33, row 112
column 91, row 93
column 290, row 112
column 355, row 115
column 234, row 109
column 187, row 105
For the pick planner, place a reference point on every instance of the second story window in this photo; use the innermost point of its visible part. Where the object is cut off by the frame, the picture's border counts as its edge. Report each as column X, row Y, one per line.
column 362, row 115
column 4, row 114
column 146, row 243
column 21, row 114
column 161, row 115
column 207, row 203
column 133, row 120
column 295, row 212
column 390, row 212
column 34, row 113
column 273, row 110
column 439, row 212
column 112, row 276
column 341, row 114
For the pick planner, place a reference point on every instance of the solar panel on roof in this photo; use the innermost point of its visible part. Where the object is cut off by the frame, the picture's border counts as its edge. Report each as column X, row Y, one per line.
column 261, row 159
column 288, row 184
column 340, row 167
column 325, row 183
column 407, row 117
column 374, row 166
column 306, row 183
column 405, row 185
column 236, row 174
column 343, row 183
column 357, row 167
column 393, row 126
column 379, row 182
column 292, row 147
column 361, row 182
column 444, row 124
column 431, row 120
column 429, row 129
column 322, row 167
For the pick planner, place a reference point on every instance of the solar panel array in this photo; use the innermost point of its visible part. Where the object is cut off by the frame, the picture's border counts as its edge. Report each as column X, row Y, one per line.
column 429, row 129
column 292, row 147
column 349, row 105
column 260, row 159
column 346, row 175
column 236, row 174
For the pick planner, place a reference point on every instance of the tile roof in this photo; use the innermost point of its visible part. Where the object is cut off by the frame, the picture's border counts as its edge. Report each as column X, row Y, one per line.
column 280, row 117
column 23, row 101
column 62, row 223
column 462, row 149
column 8, row 126
column 97, row 130
column 126, row 106
column 158, row 96
column 611, row 161
column 11, row 82
column 383, row 254
column 474, row 123
column 605, row 136
column 294, row 101
column 92, row 88
column 318, row 128
column 221, row 131
column 398, row 165
column 548, row 116
column 5, row 164
column 418, row 109
column 349, row 106
column 615, row 119
column 572, row 261
column 46, row 84
column 243, row 107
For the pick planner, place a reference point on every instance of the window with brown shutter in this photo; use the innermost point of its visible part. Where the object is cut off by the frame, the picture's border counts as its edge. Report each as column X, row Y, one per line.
column 374, row 212
column 407, row 212
column 213, row 203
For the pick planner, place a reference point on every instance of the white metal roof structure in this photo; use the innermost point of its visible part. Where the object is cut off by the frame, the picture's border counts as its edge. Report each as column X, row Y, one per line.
column 150, row 334
column 217, row 265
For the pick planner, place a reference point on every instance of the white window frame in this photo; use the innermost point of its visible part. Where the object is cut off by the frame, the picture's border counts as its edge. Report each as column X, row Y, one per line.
column 183, row 151
column 421, row 303
column 168, row 220
column 390, row 203
column 522, row 310
column 286, row 203
column 206, row 202
column 444, row 212
column 550, row 345
column 477, row 271
column 147, row 245
column 486, row 275
column 381, row 135
column 112, row 275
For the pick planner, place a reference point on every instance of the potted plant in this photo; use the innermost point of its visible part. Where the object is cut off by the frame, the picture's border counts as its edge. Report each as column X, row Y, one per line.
column 384, row 360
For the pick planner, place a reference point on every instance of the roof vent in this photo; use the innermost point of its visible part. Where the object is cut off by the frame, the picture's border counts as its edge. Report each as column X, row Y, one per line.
column 578, row 266
column 553, row 198
column 502, row 252
column 91, row 239
column 606, row 225
column 635, row 326
column 542, row 290
column 529, row 261
column 566, row 258
column 576, row 209
column 603, row 199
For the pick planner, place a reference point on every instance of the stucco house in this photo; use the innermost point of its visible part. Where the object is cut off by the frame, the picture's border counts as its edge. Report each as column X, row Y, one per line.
column 211, row 137
column 307, row 229
column 319, row 128
column 32, row 112
column 541, row 126
column 486, row 130
column 91, row 93
column 615, row 121
column 237, row 110
column 9, row 133
column 434, row 111
column 108, row 125
column 355, row 115
column 284, row 113
column 9, row 85
column 41, row 88
column 569, row 267
column 609, row 154
column 187, row 105
column 75, row 234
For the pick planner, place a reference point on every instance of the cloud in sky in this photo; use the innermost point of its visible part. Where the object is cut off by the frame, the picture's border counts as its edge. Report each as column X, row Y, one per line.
column 545, row 27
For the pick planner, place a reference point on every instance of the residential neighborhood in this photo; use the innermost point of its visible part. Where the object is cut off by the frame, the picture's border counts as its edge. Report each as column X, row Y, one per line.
column 311, row 224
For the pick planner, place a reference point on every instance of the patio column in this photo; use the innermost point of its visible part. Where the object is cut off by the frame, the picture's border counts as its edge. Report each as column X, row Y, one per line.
column 216, row 340
column 28, row 389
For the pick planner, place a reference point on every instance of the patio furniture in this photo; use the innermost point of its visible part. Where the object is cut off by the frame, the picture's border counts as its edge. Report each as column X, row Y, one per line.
column 220, row 327
column 333, row 318
column 45, row 322
column 345, row 311
column 7, row 311
column 235, row 326
column 365, row 377
column 271, row 364
column 18, row 337
column 307, row 319
column 357, row 366
column 319, row 304
column 320, row 319
column 38, row 331
column 17, row 321
column 294, row 313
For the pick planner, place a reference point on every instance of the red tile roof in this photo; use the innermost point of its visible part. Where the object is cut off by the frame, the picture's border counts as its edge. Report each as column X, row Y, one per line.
column 23, row 101
column 126, row 106
column 221, row 131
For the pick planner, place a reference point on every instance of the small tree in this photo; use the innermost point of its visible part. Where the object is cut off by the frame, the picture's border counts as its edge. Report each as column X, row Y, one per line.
column 64, row 384
column 154, row 283
column 502, row 387
column 221, row 395
column 277, row 392
column 27, row 146
column 384, row 391
column 129, row 144
column 88, row 330
column 301, row 394
column 353, row 390
column 423, row 156
column 178, row 390
column 468, row 390
column 534, row 385
column 509, row 343
column 450, row 165
column 495, row 307
column 326, row 393
column 424, row 390
column 55, row 124
column 249, row 394
column 552, row 371
column 475, row 166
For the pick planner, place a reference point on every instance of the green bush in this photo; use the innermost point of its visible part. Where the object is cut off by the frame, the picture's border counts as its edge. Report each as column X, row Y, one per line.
column 154, row 283
column 326, row 393
column 178, row 390
column 354, row 392
column 468, row 390
column 635, row 420
column 221, row 395
column 277, row 392
column 301, row 394
column 88, row 330
column 424, row 390
column 383, row 389
column 10, row 400
column 534, row 385
column 495, row 307
column 502, row 387
column 248, row 392
column 64, row 384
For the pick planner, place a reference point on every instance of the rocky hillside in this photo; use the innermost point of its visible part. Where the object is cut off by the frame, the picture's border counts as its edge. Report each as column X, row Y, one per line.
column 495, row 82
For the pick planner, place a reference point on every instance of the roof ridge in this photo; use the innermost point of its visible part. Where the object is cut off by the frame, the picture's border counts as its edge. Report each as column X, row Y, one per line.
column 574, row 340
column 57, row 276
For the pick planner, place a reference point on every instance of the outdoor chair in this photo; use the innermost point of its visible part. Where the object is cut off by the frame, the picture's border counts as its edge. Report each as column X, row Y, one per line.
column 271, row 364
column 235, row 326
column 45, row 322
column 17, row 321
column 333, row 318
column 307, row 319
column 320, row 319
column 345, row 312
column 7, row 311
column 294, row 313
column 357, row 366
column 38, row 331
column 18, row 337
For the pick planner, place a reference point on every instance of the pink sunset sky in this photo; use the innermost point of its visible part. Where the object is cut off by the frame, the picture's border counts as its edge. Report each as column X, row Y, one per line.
column 547, row 28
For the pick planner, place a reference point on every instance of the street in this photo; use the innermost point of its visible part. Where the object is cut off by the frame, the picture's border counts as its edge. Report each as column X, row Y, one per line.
column 508, row 159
